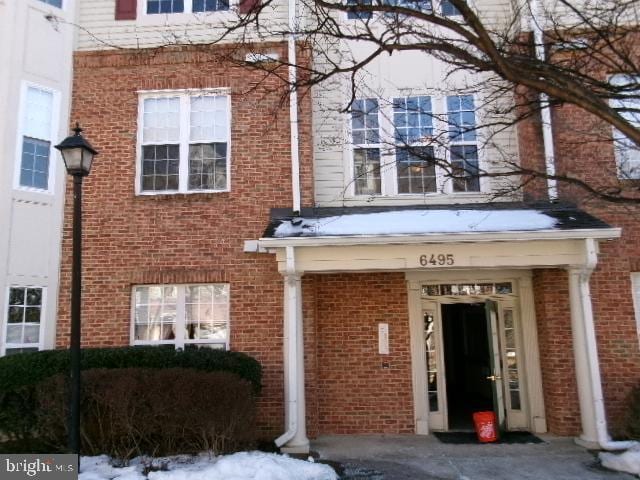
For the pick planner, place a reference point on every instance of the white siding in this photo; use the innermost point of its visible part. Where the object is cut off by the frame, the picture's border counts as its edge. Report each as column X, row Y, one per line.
column 36, row 51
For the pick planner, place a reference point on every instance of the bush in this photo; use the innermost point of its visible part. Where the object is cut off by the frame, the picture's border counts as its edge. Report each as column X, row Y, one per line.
column 632, row 429
column 19, row 374
column 140, row 411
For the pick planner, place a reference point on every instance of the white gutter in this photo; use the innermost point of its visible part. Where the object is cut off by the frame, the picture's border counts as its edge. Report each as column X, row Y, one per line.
column 290, row 344
column 545, row 110
column 462, row 237
column 293, row 108
column 602, row 435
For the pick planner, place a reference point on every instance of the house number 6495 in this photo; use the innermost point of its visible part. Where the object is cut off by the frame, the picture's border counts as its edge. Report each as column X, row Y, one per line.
column 439, row 259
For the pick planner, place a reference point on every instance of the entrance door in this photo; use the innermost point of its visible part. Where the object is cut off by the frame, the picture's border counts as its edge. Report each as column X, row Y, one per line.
column 495, row 374
column 467, row 362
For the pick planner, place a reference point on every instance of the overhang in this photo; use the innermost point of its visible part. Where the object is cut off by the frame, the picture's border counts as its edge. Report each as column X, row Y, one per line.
column 505, row 235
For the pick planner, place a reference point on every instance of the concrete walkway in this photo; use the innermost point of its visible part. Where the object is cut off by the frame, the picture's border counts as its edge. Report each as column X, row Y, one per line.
column 394, row 457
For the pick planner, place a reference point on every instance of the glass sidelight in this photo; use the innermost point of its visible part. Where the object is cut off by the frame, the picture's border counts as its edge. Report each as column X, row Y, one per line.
column 432, row 367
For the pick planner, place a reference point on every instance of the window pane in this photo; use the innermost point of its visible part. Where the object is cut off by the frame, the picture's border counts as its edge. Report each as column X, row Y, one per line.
column 160, row 166
column 207, row 310
column 208, row 166
column 416, row 170
column 364, row 122
column 464, row 168
column 412, row 119
column 55, row 3
column 161, row 120
column 16, row 296
column 165, row 6
column 366, row 165
column 38, row 113
column 208, row 118
column 16, row 315
column 461, row 118
column 448, row 10
column 361, row 15
column 34, row 169
column 14, row 333
column 210, row 5
column 432, row 369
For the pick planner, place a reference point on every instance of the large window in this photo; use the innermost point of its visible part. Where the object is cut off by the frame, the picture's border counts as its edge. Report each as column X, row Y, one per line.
column 414, row 145
column 184, row 143
column 35, row 139
column 23, row 319
column 627, row 153
column 186, row 6
column 181, row 315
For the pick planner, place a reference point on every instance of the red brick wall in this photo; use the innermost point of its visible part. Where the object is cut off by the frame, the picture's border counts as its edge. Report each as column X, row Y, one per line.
column 355, row 394
column 131, row 239
column 551, row 293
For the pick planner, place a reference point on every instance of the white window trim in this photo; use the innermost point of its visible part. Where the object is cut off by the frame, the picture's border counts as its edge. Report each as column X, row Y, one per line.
column 53, row 157
column 5, row 321
column 635, row 295
column 179, row 341
column 388, row 166
column 184, row 96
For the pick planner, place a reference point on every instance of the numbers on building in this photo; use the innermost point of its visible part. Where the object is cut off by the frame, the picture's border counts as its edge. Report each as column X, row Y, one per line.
column 437, row 260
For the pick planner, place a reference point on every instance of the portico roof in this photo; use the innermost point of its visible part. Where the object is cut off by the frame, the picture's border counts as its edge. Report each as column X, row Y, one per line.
column 505, row 221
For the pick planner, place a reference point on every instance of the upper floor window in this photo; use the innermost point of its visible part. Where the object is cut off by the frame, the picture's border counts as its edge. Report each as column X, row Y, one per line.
column 186, row 6
column 181, row 315
column 55, row 3
column 398, row 147
column 448, row 9
column 35, row 139
column 24, row 315
column 365, row 131
column 359, row 14
column 627, row 153
column 461, row 118
column 184, row 143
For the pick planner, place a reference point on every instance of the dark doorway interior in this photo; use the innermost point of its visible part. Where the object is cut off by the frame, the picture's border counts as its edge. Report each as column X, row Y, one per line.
column 466, row 354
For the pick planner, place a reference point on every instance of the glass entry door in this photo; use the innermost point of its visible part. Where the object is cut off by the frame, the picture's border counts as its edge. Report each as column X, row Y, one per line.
column 474, row 362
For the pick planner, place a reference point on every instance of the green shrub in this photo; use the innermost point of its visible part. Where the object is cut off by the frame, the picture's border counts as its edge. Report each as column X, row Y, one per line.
column 141, row 411
column 632, row 429
column 20, row 373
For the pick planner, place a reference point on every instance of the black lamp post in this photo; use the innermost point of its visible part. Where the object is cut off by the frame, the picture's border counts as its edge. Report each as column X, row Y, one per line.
column 78, row 155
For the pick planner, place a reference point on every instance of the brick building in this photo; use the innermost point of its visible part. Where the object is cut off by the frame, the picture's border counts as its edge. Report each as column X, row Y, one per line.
column 379, row 297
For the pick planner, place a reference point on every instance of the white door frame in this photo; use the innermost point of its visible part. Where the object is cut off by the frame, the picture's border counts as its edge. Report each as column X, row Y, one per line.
column 523, row 303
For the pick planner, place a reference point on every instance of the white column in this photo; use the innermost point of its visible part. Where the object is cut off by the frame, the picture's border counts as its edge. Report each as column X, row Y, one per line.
column 589, row 436
column 296, row 440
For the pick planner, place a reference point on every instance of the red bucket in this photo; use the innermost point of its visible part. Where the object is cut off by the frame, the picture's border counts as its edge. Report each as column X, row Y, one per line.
column 486, row 426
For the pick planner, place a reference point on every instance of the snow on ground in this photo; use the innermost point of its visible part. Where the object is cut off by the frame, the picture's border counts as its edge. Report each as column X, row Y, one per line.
column 417, row 222
column 239, row 466
column 628, row 461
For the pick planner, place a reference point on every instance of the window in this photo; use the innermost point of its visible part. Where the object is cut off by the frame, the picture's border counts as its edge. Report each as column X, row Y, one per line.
column 448, row 9
column 181, row 315
column 359, row 14
column 635, row 286
column 414, row 145
column 463, row 147
column 420, row 5
column 627, row 153
column 186, row 6
column 35, row 141
column 184, row 143
column 413, row 124
column 24, row 314
column 365, row 133
column 55, row 3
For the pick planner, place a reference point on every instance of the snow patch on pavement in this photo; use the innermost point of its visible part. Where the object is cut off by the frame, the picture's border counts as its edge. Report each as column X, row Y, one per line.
column 239, row 466
column 628, row 461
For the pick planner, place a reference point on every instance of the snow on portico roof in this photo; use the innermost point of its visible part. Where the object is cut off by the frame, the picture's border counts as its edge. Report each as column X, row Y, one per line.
column 411, row 221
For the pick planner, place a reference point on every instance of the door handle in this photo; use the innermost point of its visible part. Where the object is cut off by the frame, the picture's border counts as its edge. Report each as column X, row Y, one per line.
column 493, row 378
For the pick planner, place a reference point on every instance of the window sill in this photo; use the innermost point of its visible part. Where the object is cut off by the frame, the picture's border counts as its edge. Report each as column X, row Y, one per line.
column 184, row 196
